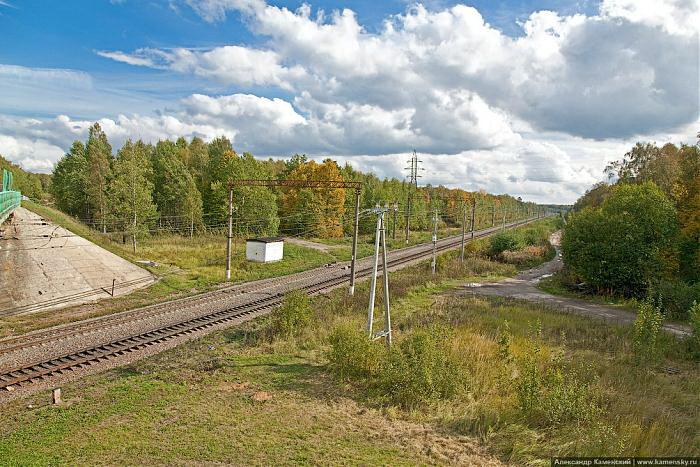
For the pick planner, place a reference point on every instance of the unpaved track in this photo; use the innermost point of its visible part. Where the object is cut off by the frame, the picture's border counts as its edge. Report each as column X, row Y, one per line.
column 524, row 287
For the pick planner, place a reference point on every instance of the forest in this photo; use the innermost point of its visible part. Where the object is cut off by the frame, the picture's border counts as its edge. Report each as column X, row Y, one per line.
column 182, row 186
column 639, row 236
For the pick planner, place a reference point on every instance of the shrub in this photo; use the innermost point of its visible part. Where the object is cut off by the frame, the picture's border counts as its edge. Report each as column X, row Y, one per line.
column 525, row 256
column 550, row 395
column 293, row 315
column 694, row 339
column 535, row 235
column 674, row 297
column 647, row 330
column 624, row 243
column 503, row 241
column 420, row 369
column 353, row 355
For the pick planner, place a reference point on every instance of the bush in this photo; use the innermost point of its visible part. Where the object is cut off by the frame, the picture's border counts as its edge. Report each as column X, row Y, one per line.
column 647, row 331
column 552, row 395
column 673, row 297
column 353, row 355
column 694, row 339
column 503, row 241
column 525, row 256
column 422, row 368
column 293, row 315
column 535, row 235
column 622, row 245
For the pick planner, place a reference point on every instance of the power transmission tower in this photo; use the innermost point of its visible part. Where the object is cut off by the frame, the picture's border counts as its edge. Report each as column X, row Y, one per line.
column 412, row 184
column 380, row 237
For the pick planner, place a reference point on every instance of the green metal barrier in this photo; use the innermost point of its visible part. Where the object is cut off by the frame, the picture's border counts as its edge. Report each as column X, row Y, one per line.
column 9, row 199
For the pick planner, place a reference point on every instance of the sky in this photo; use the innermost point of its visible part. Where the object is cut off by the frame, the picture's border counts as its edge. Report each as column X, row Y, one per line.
column 527, row 97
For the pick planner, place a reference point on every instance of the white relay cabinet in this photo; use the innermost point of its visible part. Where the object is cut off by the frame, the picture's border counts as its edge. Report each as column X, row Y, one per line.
column 264, row 250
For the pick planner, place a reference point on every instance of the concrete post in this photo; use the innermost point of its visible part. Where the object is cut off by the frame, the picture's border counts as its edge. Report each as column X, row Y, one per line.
column 373, row 283
column 356, row 225
column 230, row 234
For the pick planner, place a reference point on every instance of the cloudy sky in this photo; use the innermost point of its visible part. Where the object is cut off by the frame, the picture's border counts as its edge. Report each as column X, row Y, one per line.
column 527, row 97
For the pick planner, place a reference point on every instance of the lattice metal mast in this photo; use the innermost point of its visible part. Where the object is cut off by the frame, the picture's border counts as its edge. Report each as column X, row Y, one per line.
column 413, row 175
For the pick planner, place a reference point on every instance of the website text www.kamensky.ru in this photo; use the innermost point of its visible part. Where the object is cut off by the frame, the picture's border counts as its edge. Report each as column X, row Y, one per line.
column 626, row 461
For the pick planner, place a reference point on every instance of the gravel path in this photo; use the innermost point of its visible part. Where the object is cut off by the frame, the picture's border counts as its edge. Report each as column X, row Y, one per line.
column 524, row 287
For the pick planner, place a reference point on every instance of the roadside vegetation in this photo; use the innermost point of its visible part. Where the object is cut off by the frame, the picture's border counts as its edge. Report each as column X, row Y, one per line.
column 468, row 378
column 637, row 241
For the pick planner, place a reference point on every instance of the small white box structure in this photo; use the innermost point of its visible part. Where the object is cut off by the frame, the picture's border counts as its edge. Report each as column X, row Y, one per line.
column 264, row 250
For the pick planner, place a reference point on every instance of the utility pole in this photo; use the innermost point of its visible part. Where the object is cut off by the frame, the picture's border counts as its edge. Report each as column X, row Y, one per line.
column 435, row 220
column 413, row 183
column 385, row 270
column 380, row 236
column 472, row 220
column 133, row 237
column 230, row 234
column 356, row 223
column 493, row 215
column 396, row 210
column 464, row 228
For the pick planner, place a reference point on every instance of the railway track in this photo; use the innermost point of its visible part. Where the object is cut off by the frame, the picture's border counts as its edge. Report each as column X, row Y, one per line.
column 214, row 309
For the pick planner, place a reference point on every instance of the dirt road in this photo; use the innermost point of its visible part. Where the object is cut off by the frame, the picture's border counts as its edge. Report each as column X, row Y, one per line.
column 524, row 286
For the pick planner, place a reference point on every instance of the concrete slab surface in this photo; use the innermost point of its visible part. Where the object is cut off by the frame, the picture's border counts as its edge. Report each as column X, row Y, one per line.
column 44, row 266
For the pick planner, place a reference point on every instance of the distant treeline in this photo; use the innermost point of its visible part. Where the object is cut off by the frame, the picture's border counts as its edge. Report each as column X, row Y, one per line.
column 182, row 186
column 30, row 184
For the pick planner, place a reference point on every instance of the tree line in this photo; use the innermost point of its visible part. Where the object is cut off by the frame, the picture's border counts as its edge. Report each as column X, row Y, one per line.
column 182, row 186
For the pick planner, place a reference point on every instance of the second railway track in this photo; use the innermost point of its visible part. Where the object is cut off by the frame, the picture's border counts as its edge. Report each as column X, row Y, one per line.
column 28, row 371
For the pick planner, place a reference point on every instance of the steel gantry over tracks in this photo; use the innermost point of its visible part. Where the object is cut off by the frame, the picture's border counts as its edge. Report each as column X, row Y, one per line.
column 318, row 184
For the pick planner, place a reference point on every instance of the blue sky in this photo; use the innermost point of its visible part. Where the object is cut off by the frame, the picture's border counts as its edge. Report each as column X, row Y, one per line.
column 544, row 91
column 66, row 34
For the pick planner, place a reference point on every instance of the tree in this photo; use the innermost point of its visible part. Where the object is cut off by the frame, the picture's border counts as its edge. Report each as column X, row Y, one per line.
column 686, row 192
column 98, row 154
column 620, row 246
column 255, row 208
column 69, row 183
column 174, row 190
column 198, row 164
column 317, row 212
column 593, row 198
column 131, row 205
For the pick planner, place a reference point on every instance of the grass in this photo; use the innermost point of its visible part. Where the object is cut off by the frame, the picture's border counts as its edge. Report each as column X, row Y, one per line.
column 184, row 266
column 195, row 402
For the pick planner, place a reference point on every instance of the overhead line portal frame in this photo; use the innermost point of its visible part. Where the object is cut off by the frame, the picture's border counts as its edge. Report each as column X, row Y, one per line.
column 319, row 184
